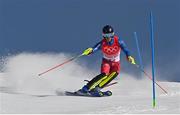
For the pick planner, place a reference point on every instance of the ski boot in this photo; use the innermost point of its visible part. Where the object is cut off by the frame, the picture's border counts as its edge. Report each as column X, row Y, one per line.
column 83, row 91
column 107, row 93
column 96, row 92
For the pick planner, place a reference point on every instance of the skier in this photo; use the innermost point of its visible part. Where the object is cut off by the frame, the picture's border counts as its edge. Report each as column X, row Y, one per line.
column 110, row 47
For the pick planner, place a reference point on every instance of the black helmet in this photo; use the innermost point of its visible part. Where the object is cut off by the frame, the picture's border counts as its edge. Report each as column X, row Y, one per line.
column 107, row 29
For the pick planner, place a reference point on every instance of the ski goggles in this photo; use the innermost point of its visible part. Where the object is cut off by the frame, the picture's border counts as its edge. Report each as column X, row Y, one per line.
column 110, row 35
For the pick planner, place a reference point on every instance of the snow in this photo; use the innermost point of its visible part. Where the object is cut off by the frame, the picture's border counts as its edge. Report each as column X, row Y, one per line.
column 22, row 91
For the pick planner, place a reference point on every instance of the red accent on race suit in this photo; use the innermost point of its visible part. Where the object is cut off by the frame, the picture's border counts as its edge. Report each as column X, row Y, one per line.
column 113, row 50
column 108, row 67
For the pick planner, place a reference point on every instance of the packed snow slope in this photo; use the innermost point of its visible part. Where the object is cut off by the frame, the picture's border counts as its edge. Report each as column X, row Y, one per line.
column 23, row 91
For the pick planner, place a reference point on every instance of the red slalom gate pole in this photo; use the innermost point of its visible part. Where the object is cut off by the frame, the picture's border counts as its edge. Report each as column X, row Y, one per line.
column 151, row 78
column 67, row 61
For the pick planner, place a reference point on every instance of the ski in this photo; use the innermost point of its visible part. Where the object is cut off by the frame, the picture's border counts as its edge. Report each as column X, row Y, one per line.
column 76, row 93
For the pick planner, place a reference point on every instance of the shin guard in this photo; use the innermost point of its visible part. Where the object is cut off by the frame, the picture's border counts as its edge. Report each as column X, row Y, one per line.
column 108, row 79
column 95, row 81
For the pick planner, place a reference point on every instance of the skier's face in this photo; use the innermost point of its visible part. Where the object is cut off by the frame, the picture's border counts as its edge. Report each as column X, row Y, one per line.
column 108, row 39
column 108, row 36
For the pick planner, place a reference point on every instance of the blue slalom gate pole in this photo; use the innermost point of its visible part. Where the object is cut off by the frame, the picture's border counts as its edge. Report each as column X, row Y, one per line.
column 139, row 53
column 152, row 51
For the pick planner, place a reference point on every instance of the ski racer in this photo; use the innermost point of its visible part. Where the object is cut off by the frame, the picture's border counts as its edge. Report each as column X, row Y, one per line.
column 110, row 47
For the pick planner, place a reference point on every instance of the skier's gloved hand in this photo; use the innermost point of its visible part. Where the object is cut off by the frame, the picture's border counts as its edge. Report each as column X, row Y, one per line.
column 131, row 60
column 88, row 51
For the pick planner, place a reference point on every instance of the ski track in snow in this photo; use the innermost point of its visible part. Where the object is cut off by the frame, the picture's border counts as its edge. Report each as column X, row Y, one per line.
column 21, row 91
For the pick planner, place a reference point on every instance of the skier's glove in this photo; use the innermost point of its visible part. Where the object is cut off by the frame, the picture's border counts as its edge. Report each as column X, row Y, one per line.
column 88, row 51
column 131, row 60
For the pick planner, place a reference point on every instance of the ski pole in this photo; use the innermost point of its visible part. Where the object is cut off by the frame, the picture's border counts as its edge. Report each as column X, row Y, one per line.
column 111, row 84
column 71, row 59
column 150, row 78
